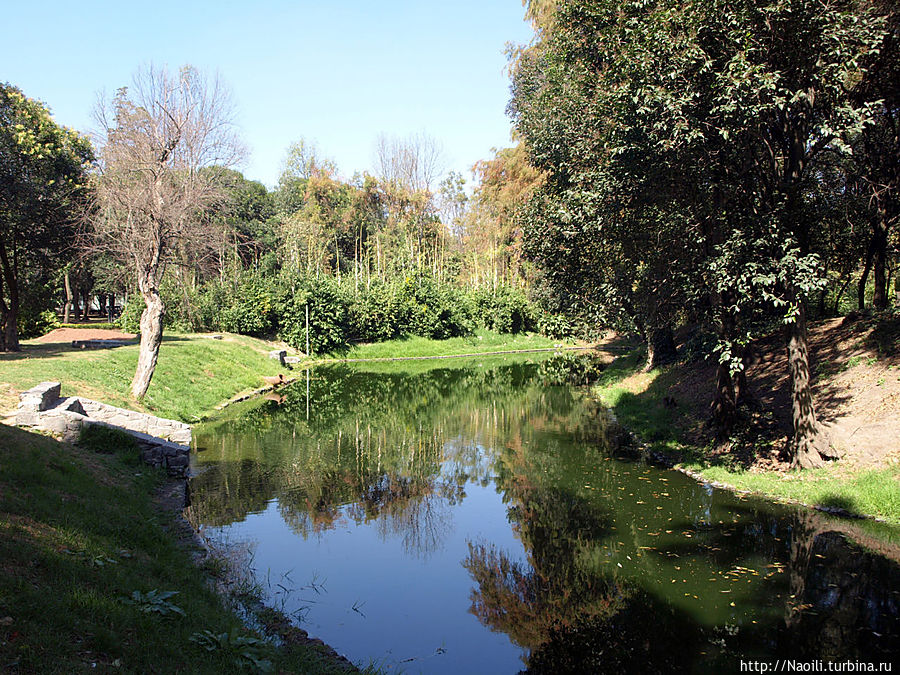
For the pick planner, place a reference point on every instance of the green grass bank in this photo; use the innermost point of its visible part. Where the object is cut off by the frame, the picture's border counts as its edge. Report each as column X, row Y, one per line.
column 96, row 577
column 665, row 409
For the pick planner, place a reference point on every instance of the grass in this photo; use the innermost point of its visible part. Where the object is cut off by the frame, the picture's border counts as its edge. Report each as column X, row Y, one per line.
column 93, row 578
column 193, row 375
column 419, row 347
column 873, row 492
column 637, row 399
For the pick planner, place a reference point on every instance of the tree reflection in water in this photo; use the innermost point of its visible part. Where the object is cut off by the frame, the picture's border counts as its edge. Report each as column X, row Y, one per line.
column 624, row 565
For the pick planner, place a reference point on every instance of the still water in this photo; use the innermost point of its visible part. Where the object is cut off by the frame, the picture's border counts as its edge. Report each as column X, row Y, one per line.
column 476, row 518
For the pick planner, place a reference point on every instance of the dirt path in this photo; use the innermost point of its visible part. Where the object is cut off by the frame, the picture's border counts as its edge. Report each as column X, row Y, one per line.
column 69, row 334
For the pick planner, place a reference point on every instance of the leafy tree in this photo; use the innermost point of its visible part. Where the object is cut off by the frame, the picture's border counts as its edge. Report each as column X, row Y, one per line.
column 42, row 178
column 685, row 146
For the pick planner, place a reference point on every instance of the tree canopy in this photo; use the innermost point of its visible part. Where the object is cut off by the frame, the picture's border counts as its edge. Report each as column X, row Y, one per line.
column 42, row 177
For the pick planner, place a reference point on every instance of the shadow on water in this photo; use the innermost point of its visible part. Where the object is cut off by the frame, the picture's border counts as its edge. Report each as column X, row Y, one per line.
column 620, row 564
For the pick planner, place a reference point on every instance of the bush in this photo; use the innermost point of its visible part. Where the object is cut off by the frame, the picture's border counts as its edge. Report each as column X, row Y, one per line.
column 130, row 318
column 433, row 310
column 329, row 326
column 503, row 309
column 556, row 326
column 35, row 323
column 245, row 305
column 375, row 314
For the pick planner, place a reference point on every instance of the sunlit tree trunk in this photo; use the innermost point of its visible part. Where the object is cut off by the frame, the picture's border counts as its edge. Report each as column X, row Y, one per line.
column 810, row 445
column 68, row 286
column 151, row 334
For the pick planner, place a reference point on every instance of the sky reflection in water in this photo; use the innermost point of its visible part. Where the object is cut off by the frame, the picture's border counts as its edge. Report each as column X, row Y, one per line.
column 475, row 519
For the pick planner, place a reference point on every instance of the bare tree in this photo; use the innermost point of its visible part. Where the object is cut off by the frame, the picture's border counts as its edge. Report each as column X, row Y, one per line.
column 156, row 144
column 409, row 169
column 413, row 163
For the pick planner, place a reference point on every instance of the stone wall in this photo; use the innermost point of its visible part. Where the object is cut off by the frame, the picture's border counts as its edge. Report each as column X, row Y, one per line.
column 164, row 443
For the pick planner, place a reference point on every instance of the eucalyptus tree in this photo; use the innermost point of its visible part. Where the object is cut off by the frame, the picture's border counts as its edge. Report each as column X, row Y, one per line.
column 156, row 138
column 42, row 178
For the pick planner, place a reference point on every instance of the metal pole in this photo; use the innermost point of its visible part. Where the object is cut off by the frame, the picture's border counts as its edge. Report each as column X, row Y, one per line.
column 307, row 329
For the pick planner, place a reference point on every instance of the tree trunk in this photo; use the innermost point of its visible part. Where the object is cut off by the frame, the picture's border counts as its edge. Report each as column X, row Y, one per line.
column 879, row 262
column 660, row 348
column 725, row 403
column 68, row 286
column 9, row 309
column 809, row 446
column 864, row 277
column 151, row 337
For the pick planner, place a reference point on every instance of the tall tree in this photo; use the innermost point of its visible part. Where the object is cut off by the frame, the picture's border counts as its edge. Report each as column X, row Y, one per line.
column 155, row 139
column 42, row 176
column 684, row 145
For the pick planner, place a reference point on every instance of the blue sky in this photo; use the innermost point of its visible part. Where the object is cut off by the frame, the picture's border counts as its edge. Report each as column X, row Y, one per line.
column 338, row 72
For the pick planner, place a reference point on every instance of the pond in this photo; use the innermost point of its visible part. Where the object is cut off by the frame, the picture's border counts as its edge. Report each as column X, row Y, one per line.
column 476, row 517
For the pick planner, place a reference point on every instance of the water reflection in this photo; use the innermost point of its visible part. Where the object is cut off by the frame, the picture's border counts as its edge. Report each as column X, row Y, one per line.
column 493, row 495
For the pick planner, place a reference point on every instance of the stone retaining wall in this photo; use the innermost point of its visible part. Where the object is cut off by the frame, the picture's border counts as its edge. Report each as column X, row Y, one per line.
column 163, row 442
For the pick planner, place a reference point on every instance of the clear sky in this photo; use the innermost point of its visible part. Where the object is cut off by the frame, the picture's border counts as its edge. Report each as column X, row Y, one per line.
column 337, row 72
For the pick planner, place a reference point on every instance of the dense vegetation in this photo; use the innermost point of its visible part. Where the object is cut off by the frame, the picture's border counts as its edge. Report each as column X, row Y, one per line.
column 728, row 167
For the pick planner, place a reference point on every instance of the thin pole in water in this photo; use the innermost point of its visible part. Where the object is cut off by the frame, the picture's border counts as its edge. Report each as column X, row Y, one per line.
column 307, row 329
column 307, row 394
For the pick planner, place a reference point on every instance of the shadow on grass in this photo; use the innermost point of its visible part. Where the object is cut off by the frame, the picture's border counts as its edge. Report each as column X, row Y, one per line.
column 43, row 350
column 841, row 504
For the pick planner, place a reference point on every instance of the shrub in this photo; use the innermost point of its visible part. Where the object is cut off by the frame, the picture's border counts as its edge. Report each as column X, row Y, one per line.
column 328, row 316
column 130, row 318
column 35, row 323
column 433, row 310
column 503, row 309
column 244, row 305
column 375, row 314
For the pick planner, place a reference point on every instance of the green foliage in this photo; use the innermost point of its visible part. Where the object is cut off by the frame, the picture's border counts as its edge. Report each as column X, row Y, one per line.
column 328, row 316
column 42, row 180
column 503, row 309
column 244, row 651
column 434, row 310
column 557, row 326
column 154, row 602
column 130, row 318
column 34, row 322
column 242, row 305
column 375, row 315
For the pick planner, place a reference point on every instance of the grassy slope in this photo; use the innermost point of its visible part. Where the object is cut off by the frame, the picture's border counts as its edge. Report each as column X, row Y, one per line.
column 637, row 400
column 193, row 375
column 411, row 347
column 78, row 533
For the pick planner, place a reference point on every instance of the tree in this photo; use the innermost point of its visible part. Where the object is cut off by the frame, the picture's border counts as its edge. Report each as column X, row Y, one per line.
column 685, row 146
column 155, row 139
column 493, row 237
column 42, row 177
column 408, row 169
column 877, row 154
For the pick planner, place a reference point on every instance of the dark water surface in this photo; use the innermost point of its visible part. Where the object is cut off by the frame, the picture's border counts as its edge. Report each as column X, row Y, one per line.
column 475, row 519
